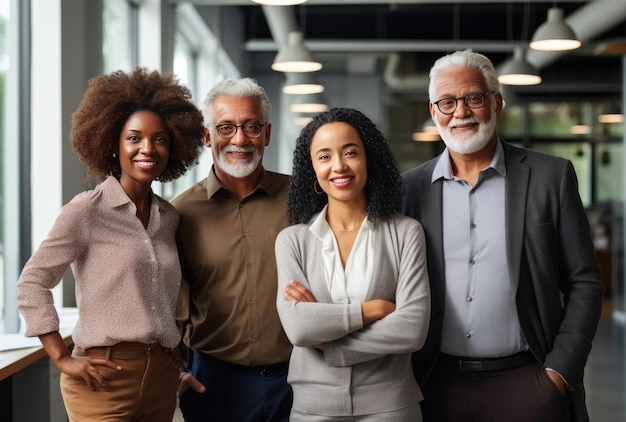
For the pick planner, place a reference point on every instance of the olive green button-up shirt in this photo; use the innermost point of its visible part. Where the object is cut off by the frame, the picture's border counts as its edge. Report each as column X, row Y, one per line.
column 227, row 253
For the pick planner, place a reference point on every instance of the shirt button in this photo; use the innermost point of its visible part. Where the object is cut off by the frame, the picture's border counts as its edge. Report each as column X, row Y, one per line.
column 468, row 335
column 469, row 298
column 253, row 339
column 472, row 262
column 473, row 226
column 252, row 301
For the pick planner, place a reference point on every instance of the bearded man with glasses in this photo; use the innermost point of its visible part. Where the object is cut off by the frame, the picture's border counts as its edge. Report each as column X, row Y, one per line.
column 228, row 225
column 515, row 284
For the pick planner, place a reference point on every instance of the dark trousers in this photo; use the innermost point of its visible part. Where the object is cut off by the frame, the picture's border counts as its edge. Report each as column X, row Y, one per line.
column 237, row 393
column 522, row 394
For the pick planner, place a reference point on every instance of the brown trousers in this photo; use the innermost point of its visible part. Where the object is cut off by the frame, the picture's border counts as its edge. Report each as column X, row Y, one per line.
column 144, row 390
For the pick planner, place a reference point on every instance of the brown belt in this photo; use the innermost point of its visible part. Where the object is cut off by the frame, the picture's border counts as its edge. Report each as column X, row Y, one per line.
column 491, row 364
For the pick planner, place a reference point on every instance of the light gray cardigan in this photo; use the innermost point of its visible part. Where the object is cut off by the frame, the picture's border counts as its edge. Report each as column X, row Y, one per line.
column 362, row 370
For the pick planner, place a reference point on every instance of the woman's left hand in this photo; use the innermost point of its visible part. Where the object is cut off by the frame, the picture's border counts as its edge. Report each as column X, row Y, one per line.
column 296, row 292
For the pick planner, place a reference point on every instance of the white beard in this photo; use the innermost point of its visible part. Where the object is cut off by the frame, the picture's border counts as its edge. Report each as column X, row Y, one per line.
column 240, row 169
column 471, row 142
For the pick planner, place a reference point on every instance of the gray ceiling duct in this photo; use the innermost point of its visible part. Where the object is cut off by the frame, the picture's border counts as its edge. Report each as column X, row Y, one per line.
column 398, row 73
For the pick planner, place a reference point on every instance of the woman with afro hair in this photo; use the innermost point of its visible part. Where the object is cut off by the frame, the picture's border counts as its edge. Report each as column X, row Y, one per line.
column 354, row 296
column 119, row 240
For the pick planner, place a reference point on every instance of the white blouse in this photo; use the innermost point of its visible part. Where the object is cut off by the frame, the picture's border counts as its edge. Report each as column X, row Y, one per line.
column 349, row 285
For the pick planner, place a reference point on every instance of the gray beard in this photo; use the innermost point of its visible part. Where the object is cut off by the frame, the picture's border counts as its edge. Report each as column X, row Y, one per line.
column 240, row 169
column 470, row 143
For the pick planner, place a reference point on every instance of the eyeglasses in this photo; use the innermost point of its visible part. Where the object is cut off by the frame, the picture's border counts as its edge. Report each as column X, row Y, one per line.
column 474, row 100
column 250, row 130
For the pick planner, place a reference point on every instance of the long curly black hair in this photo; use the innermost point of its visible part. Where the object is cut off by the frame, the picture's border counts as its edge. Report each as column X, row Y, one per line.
column 384, row 184
column 111, row 99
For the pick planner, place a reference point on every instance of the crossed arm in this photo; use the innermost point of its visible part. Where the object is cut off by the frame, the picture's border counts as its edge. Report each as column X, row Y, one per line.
column 372, row 310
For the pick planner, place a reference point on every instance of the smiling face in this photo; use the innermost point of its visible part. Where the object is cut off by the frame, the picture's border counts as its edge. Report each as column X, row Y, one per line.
column 238, row 157
column 144, row 148
column 339, row 162
column 466, row 131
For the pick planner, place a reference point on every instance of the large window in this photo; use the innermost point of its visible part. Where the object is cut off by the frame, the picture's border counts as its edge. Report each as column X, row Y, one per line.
column 4, row 67
column 199, row 62
column 117, row 45
column 9, row 165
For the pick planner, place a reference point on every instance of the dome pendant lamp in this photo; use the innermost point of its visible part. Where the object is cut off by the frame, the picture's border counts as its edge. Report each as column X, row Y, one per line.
column 302, row 83
column 517, row 71
column 309, row 103
column 554, row 34
column 294, row 57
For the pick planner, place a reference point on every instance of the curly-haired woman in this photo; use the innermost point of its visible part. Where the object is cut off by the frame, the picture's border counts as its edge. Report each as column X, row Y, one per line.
column 354, row 296
column 119, row 240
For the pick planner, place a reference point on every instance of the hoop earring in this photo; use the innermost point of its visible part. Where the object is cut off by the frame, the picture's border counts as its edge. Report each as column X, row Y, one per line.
column 319, row 192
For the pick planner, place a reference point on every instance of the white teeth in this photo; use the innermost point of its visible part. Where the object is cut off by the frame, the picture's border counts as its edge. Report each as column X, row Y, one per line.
column 342, row 180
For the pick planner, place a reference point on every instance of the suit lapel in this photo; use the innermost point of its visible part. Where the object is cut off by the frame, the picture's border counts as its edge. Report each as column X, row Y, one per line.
column 431, row 217
column 516, row 186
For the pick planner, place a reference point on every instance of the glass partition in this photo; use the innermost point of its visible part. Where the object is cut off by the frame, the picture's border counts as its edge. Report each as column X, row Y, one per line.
column 10, row 145
column 117, row 45
column 4, row 66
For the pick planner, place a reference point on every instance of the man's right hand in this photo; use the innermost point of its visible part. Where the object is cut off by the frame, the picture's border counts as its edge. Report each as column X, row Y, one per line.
column 186, row 381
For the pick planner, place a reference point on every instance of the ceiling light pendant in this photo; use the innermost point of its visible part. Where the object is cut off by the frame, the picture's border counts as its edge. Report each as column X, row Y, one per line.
column 302, row 120
column 554, row 34
column 427, row 133
column 580, row 129
column 611, row 114
column 309, row 103
column 294, row 57
column 611, row 118
column 517, row 71
column 302, row 83
column 279, row 2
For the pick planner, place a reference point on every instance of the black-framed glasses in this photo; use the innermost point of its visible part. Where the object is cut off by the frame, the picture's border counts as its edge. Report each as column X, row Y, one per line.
column 250, row 130
column 474, row 100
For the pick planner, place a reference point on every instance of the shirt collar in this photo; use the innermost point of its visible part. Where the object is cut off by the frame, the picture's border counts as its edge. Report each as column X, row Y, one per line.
column 115, row 196
column 213, row 184
column 443, row 168
column 113, row 192
column 320, row 228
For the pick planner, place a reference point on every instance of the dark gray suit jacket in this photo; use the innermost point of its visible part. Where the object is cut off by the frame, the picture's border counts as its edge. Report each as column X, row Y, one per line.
column 550, row 253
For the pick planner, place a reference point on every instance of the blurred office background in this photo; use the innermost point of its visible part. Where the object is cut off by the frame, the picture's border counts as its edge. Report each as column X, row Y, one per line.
column 371, row 55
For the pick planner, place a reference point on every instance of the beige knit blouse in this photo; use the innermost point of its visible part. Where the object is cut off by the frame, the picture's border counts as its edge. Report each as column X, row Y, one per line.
column 127, row 277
